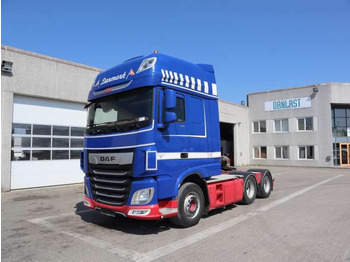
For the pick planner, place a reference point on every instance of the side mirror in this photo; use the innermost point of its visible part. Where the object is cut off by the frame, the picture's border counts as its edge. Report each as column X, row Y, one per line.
column 170, row 117
column 170, row 99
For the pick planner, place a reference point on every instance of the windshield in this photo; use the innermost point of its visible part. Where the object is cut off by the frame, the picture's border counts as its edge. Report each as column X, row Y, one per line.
column 120, row 112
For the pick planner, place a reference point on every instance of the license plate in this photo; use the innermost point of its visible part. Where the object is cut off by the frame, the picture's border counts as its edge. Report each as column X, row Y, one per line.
column 107, row 212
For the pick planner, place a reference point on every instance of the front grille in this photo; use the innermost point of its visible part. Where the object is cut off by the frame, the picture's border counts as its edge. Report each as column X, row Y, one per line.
column 110, row 184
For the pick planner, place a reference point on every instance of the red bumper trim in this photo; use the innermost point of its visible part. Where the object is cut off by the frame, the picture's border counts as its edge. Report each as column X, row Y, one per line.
column 153, row 214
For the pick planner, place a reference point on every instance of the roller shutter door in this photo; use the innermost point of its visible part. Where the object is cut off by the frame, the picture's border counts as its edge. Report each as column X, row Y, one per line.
column 47, row 137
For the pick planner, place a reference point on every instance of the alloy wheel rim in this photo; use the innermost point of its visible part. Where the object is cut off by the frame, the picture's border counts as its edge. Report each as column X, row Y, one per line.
column 192, row 205
column 249, row 189
column 267, row 184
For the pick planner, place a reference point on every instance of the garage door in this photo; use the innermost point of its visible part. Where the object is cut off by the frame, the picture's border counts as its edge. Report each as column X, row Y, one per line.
column 47, row 137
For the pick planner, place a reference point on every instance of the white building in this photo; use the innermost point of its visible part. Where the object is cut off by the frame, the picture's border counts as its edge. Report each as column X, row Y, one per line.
column 43, row 119
column 302, row 126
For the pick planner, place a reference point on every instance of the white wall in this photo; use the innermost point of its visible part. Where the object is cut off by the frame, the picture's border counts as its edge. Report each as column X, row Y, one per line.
column 237, row 115
column 36, row 75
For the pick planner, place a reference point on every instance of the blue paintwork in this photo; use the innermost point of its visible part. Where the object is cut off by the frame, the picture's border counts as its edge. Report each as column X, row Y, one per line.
column 199, row 133
column 87, row 182
column 151, row 160
column 150, row 77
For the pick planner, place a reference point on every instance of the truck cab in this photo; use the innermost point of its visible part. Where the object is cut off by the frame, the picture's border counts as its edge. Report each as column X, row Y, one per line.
column 152, row 144
column 152, row 123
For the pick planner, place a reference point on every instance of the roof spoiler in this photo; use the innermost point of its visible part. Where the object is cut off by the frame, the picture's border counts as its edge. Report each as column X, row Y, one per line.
column 206, row 67
column 133, row 58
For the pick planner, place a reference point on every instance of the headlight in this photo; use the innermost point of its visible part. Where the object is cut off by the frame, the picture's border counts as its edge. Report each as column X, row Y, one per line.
column 146, row 64
column 143, row 196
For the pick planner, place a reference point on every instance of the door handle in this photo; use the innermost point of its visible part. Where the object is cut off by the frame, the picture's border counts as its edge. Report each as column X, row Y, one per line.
column 184, row 155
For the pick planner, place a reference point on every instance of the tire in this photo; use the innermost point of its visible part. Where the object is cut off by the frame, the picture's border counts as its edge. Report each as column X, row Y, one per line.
column 265, row 187
column 190, row 205
column 264, row 191
column 249, row 190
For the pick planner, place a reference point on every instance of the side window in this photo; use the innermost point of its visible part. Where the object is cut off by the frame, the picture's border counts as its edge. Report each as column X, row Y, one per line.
column 179, row 109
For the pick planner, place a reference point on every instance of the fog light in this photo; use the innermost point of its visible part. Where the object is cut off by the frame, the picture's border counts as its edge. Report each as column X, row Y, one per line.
column 143, row 196
column 87, row 203
column 139, row 212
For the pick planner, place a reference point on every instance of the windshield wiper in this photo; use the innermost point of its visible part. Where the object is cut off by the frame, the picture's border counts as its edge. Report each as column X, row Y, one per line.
column 121, row 125
column 113, row 124
column 101, row 128
column 127, row 124
column 90, row 104
column 87, row 105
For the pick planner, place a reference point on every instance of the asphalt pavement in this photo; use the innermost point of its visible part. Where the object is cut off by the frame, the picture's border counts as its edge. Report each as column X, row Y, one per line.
column 306, row 218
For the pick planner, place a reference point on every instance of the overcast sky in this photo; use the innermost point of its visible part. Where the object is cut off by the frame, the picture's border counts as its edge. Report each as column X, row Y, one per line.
column 253, row 45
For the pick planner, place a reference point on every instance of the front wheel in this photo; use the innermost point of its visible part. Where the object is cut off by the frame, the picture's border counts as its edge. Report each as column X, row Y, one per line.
column 190, row 205
column 249, row 190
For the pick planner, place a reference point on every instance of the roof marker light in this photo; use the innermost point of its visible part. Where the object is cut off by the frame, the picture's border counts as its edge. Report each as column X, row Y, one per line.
column 155, row 52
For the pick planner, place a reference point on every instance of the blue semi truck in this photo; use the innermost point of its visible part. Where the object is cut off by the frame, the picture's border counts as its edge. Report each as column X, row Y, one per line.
column 152, row 144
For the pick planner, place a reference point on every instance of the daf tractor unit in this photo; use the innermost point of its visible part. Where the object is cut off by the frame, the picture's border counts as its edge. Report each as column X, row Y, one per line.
column 152, row 144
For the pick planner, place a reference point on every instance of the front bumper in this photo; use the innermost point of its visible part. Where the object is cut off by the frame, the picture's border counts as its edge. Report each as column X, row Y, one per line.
column 164, row 209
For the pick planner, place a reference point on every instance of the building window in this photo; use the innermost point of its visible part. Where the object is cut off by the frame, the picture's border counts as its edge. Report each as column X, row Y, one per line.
column 281, row 125
column 77, row 131
column 45, row 142
column 60, row 154
column 61, row 130
column 305, row 124
column 41, row 130
column 306, row 152
column 281, row 152
column 259, row 126
column 340, row 122
column 21, row 129
column 40, row 155
column 341, row 132
column 260, row 152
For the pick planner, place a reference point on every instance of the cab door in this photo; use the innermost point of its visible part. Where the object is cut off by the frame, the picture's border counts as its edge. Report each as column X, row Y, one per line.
column 173, row 137
column 172, row 146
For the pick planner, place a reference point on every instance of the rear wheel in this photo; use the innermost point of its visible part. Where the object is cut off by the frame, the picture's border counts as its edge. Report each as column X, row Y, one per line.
column 190, row 205
column 265, row 186
column 249, row 191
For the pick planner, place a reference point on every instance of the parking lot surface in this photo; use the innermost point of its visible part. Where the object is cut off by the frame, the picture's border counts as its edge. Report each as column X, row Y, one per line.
column 306, row 218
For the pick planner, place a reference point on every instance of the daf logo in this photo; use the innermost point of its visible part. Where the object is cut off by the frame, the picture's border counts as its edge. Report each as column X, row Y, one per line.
column 107, row 158
column 124, row 158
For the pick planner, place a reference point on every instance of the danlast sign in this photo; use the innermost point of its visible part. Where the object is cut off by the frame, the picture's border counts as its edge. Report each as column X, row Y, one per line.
column 285, row 104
